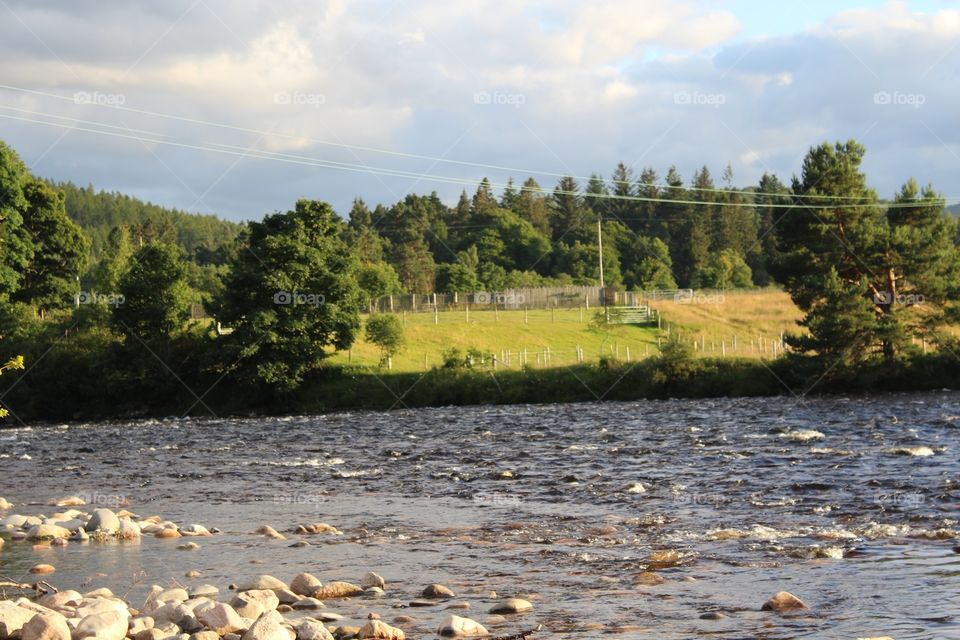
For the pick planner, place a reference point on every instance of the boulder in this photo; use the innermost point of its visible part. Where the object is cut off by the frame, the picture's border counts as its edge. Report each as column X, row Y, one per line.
column 252, row 604
column 205, row 635
column 221, row 618
column 457, row 627
column 437, row 591
column 381, row 630
column 61, row 600
column 12, row 619
column 512, row 605
column 204, row 590
column 4, row 504
column 109, row 625
column 194, row 530
column 308, row 603
column 103, row 520
column 312, row 630
column 263, row 582
column 267, row 627
column 304, row 584
column 47, row 532
column 784, row 602
column 46, row 626
column 270, row 532
column 128, row 530
column 42, row 569
column 371, row 579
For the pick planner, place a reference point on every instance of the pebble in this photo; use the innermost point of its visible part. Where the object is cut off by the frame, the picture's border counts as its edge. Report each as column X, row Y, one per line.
column 337, row 590
column 188, row 546
column 457, row 627
column 270, row 532
column 380, row 630
column 512, row 605
column 713, row 615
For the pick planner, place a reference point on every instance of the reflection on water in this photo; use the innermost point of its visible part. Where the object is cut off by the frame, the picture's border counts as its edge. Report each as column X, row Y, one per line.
column 852, row 504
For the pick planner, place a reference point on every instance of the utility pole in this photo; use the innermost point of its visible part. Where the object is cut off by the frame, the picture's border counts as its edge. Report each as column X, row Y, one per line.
column 603, row 290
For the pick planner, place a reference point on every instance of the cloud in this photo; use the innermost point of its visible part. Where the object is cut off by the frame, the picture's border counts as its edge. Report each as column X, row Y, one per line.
column 554, row 86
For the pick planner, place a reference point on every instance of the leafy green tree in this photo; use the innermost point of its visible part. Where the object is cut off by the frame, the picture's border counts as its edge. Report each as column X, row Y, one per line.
column 385, row 331
column 378, row 279
column 155, row 297
column 483, row 199
column 533, row 207
column 11, row 365
column 292, row 296
column 568, row 214
column 114, row 260
column 16, row 249
column 456, row 278
column 510, row 197
column 654, row 269
column 724, row 270
column 51, row 278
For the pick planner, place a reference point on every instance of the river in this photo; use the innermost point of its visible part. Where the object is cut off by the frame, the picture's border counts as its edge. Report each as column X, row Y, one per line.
column 849, row 503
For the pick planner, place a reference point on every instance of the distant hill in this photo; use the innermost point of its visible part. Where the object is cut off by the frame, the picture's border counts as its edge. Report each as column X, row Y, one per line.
column 97, row 212
column 954, row 209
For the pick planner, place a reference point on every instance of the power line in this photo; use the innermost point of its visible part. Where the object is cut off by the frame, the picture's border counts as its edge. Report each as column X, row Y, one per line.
column 401, row 154
column 242, row 152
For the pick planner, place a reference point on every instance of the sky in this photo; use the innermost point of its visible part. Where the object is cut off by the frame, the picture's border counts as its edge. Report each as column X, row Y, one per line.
column 241, row 107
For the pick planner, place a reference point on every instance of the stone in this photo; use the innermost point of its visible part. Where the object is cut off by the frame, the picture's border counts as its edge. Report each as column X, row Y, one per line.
column 304, row 584
column 4, row 504
column 437, row 591
column 138, row 624
column 270, row 532
column 253, row 603
column 267, row 627
column 635, row 487
column 204, row 590
column 458, row 605
column 457, row 627
column 308, row 604
column 188, row 546
column 285, row 596
column 263, row 582
column 312, row 630
column 46, row 626
column 42, row 569
column 61, row 600
column 167, row 532
column 12, row 619
column 178, row 614
column 47, row 532
column 103, row 520
column 346, row 631
column 194, row 530
column 371, row 579
column 512, row 605
column 334, row 590
column 69, row 501
column 109, row 625
column 381, row 630
column 193, row 573
column 177, row 594
column 373, row 592
column 221, row 618
column 664, row 558
column 128, row 530
column 317, row 527
column 784, row 601
column 713, row 615
column 205, row 635
column 648, row 579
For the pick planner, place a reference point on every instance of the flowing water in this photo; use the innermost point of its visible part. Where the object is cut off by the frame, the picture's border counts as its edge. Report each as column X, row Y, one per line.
column 850, row 503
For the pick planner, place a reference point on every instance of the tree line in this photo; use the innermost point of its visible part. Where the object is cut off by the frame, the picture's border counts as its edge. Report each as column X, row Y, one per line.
column 871, row 275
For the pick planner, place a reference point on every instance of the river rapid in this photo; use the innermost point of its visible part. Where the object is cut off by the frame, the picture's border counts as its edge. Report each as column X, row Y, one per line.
column 851, row 503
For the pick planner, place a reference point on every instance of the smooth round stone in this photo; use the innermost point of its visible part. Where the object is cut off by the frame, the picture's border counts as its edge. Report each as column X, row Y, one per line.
column 422, row 603
column 512, row 605
column 713, row 615
column 308, row 603
column 42, row 568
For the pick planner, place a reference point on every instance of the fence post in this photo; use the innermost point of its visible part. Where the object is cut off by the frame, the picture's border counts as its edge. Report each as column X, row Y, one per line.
column 467, row 309
column 526, row 320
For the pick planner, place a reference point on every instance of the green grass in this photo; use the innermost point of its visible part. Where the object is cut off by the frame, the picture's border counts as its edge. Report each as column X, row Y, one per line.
column 534, row 332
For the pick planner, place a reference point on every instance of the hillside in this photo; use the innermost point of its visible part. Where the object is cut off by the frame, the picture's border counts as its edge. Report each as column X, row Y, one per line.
column 97, row 212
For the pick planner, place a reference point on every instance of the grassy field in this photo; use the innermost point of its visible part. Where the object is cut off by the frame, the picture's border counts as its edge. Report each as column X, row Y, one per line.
column 542, row 338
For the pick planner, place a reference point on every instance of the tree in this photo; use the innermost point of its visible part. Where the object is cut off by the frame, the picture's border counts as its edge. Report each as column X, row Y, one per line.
column 724, row 270
column 510, row 197
column 532, row 206
column 385, row 331
column 378, row 279
column 770, row 196
column 292, row 297
column 16, row 249
column 155, row 298
column 483, row 199
column 456, row 278
column 50, row 280
column 654, row 269
column 114, row 261
column 568, row 213
column 11, row 365
column 844, row 254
